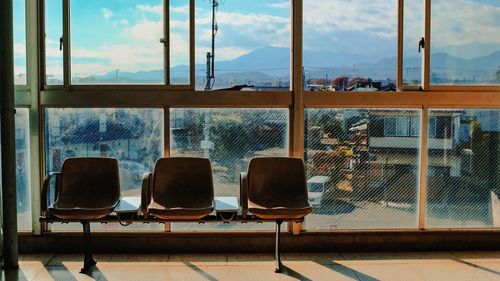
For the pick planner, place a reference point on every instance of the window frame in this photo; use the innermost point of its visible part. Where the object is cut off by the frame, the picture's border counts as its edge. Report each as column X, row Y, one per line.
column 39, row 96
column 67, row 84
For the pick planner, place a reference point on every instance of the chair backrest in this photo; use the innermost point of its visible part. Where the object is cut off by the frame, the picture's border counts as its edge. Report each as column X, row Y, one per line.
column 88, row 182
column 183, row 181
column 277, row 182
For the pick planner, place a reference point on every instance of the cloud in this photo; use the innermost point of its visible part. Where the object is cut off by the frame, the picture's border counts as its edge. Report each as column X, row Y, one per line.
column 248, row 31
column 373, row 17
column 106, row 13
column 180, row 10
column 120, row 22
column 19, row 49
column 179, row 24
column 464, row 21
column 146, row 31
column 279, row 5
column 158, row 9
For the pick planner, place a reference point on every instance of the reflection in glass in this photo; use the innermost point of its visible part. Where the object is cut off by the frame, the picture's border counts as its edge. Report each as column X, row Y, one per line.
column 362, row 168
column 229, row 138
column 133, row 136
column 463, row 169
column 465, row 42
column 350, row 45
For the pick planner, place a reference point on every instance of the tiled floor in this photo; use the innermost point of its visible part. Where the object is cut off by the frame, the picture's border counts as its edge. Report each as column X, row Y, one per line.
column 456, row 266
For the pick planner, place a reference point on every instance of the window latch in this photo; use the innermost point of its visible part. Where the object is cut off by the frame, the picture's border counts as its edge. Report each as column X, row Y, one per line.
column 421, row 44
column 61, row 41
column 163, row 41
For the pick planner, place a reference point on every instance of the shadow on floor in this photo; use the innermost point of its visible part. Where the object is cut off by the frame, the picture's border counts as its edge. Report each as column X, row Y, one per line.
column 12, row 274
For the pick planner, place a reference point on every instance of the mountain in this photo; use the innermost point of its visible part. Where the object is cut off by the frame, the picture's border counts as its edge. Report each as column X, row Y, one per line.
column 269, row 64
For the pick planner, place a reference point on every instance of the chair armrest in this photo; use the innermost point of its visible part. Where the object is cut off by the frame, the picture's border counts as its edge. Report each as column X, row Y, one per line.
column 146, row 191
column 244, row 194
column 44, row 204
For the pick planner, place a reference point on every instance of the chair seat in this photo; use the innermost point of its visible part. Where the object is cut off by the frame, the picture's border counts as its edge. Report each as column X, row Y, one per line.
column 80, row 213
column 172, row 211
column 279, row 213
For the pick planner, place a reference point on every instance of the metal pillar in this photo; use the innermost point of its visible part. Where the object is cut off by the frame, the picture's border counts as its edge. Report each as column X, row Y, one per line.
column 9, row 204
column 88, row 260
column 277, row 255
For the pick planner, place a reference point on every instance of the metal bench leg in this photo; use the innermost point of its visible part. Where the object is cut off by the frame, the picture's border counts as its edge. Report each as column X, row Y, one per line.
column 277, row 247
column 87, row 238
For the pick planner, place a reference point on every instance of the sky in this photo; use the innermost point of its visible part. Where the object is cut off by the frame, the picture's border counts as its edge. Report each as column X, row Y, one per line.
column 124, row 34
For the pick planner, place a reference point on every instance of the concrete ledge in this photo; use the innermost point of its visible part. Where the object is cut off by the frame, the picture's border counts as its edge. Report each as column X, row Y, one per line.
column 234, row 242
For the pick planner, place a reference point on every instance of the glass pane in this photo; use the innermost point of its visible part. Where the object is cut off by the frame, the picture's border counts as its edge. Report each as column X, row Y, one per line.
column 465, row 42
column 252, row 44
column 20, row 42
column 116, row 42
column 23, row 170
column 133, row 136
column 413, row 31
column 53, row 50
column 350, row 45
column 366, row 163
column 229, row 138
column 463, row 179
column 179, row 42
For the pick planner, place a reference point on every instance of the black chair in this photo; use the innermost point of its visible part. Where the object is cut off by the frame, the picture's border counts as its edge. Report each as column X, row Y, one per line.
column 87, row 188
column 275, row 188
column 179, row 189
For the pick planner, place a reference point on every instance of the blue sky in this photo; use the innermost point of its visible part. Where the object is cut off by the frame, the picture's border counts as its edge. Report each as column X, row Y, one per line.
column 124, row 34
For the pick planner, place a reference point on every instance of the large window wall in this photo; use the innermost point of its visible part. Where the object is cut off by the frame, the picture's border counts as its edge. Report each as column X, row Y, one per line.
column 128, row 81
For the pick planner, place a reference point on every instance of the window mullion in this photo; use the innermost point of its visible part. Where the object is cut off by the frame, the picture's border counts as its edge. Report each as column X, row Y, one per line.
column 166, row 42
column 66, row 43
column 426, row 58
column 297, row 107
column 399, row 78
column 422, row 197
column 192, row 32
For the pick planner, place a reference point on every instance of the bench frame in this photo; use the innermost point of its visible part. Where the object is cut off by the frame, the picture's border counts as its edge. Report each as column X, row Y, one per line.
column 89, row 261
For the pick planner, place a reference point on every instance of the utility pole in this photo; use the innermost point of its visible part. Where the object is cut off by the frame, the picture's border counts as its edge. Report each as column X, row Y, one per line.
column 206, row 143
column 211, row 56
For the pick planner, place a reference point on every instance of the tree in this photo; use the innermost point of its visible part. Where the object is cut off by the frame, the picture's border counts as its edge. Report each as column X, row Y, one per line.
column 230, row 137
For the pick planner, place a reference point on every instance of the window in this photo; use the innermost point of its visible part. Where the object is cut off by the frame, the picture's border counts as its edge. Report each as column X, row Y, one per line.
column 369, row 180
column 413, row 31
column 229, row 138
column 465, row 46
column 179, row 42
column 414, row 126
column 117, row 42
column 20, row 77
column 131, row 135
column 432, row 127
column 252, row 44
column 53, row 47
column 23, row 182
column 464, row 164
column 350, row 45
column 396, row 126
